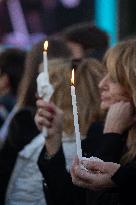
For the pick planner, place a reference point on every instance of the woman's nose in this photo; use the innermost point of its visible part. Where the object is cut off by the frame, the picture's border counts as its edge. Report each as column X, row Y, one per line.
column 103, row 83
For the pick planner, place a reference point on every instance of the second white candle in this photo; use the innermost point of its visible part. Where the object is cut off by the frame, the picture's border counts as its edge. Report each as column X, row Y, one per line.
column 76, row 124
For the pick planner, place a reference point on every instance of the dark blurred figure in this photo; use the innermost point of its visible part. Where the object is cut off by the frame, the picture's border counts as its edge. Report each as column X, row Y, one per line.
column 42, row 17
column 85, row 39
column 11, row 70
column 59, row 14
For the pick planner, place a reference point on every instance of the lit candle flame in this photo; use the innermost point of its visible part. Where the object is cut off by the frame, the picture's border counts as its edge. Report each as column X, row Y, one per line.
column 72, row 78
column 46, row 45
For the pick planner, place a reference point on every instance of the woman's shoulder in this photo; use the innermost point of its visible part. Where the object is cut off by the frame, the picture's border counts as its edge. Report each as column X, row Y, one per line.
column 24, row 112
column 23, row 117
column 22, row 128
column 24, row 120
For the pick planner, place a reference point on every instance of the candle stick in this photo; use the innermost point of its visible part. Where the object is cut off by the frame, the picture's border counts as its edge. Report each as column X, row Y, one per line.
column 75, row 113
column 44, row 88
column 45, row 61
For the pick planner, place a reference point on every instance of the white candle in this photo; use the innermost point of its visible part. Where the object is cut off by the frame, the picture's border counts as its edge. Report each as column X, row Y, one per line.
column 45, row 69
column 45, row 60
column 75, row 113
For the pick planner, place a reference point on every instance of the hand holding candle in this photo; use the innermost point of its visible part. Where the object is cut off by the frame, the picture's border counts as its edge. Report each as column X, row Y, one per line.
column 75, row 113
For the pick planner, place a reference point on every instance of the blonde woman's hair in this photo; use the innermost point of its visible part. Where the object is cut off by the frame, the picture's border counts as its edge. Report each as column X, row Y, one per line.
column 87, row 77
column 121, row 64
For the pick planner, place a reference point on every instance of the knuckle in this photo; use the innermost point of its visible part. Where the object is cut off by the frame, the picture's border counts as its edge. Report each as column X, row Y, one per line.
column 73, row 180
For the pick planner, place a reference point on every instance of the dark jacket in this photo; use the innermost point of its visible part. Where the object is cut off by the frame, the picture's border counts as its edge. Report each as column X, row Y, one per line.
column 22, row 130
column 60, row 190
column 125, row 179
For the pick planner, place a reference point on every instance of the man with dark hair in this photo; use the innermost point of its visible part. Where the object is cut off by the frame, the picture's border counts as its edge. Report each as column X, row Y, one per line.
column 85, row 39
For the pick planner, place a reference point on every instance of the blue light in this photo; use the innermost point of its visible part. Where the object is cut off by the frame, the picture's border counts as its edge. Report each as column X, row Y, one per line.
column 106, row 18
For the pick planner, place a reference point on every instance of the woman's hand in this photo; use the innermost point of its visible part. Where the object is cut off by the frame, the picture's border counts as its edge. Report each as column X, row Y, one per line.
column 50, row 116
column 119, row 117
column 95, row 175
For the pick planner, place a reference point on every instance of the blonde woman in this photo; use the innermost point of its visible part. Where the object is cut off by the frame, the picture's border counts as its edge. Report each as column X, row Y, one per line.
column 57, row 116
column 118, row 95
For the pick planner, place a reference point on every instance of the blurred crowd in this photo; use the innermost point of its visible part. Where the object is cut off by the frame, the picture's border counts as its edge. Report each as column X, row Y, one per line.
column 43, row 168
column 40, row 18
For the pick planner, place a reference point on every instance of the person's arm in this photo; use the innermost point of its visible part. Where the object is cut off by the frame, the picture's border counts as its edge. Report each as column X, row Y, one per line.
column 60, row 189
column 110, row 144
column 119, row 119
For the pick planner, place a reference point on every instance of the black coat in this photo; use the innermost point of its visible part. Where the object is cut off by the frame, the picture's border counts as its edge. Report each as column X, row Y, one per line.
column 60, row 190
column 22, row 130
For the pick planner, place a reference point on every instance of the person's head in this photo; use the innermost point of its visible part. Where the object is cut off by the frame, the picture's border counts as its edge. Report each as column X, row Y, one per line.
column 85, row 39
column 87, row 76
column 28, row 87
column 58, row 48
column 12, row 62
column 117, row 85
column 120, row 82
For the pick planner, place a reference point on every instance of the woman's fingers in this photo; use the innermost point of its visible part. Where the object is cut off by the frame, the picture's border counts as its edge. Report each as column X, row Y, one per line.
column 45, row 105
column 78, row 172
column 93, row 175
column 38, row 122
column 43, row 119
column 45, row 114
column 119, row 117
column 80, row 176
column 92, row 165
column 102, row 167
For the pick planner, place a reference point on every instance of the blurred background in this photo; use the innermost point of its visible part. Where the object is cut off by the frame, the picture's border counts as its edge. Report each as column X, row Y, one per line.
column 25, row 22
